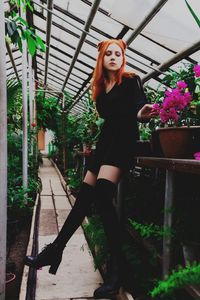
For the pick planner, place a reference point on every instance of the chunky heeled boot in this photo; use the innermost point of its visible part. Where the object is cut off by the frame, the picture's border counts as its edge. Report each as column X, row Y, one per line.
column 112, row 283
column 51, row 256
column 52, row 253
column 105, row 192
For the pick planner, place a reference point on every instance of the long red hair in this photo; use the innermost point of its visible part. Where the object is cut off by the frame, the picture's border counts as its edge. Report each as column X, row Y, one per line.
column 99, row 75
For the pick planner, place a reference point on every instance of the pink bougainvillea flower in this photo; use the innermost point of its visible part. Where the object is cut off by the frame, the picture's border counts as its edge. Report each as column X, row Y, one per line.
column 173, row 114
column 156, row 106
column 196, row 70
column 181, row 84
column 174, row 102
column 197, row 155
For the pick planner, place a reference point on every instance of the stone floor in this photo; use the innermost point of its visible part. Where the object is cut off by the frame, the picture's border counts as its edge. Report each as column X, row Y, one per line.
column 76, row 277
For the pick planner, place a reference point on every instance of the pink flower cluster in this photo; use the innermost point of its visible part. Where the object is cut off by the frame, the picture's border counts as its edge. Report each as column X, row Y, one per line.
column 196, row 70
column 175, row 101
column 197, row 155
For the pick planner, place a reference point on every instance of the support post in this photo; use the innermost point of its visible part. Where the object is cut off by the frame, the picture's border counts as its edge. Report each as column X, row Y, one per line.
column 25, row 108
column 3, row 153
column 167, row 239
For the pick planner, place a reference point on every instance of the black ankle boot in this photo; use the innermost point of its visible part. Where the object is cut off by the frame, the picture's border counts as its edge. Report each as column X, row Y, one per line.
column 112, row 284
column 51, row 256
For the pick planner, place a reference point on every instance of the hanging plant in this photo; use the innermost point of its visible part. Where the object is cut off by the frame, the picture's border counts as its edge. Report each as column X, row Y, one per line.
column 17, row 29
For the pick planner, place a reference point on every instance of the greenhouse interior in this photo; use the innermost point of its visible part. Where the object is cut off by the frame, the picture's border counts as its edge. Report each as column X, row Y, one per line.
column 71, row 169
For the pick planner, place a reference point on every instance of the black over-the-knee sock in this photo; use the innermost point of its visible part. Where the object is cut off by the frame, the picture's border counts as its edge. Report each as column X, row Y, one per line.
column 105, row 192
column 76, row 216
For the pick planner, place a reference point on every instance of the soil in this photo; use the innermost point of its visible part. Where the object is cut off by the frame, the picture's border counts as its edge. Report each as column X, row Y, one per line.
column 15, row 264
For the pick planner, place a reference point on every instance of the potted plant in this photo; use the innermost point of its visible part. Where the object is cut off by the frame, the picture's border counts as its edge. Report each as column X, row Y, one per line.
column 178, row 117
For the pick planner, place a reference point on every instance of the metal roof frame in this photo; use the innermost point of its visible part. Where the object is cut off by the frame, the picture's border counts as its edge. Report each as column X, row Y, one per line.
column 68, row 64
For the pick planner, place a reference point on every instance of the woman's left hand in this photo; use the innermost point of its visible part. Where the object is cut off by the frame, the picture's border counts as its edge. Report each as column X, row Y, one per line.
column 146, row 112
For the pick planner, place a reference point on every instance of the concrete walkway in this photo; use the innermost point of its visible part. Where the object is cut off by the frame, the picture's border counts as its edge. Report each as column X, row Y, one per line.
column 76, row 277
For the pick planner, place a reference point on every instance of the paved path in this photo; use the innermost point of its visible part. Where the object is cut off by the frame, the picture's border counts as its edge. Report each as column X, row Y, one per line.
column 76, row 277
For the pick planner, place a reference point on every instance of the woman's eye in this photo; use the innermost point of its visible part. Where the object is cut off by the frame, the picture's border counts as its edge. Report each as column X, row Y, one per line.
column 108, row 53
column 118, row 53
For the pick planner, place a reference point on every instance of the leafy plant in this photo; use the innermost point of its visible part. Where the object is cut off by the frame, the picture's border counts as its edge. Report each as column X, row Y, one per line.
column 17, row 29
column 14, row 106
column 18, row 197
column 190, row 115
column 89, row 124
column 73, row 179
column 25, row 3
column 148, row 230
column 97, row 240
column 145, row 131
column 46, row 108
column 178, row 279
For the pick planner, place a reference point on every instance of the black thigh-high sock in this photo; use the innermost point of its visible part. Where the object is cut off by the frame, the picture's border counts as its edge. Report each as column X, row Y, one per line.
column 105, row 192
column 76, row 216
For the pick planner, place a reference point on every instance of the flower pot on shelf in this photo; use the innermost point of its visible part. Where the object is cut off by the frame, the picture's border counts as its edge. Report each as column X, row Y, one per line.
column 179, row 142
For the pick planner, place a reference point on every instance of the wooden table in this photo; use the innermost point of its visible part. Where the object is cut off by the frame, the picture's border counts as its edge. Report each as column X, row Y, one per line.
column 170, row 165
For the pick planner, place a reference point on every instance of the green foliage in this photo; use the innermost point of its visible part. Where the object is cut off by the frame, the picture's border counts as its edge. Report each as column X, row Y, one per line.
column 74, row 179
column 145, row 131
column 178, row 279
column 14, row 105
column 18, row 196
column 149, row 230
column 25, row 3
column 17, row 29
column 88, row 124
column 97, row 240
column 16, row 192
column 47, row 111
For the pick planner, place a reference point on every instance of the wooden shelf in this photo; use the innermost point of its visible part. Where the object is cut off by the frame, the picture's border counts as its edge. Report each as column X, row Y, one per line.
column 172, row 164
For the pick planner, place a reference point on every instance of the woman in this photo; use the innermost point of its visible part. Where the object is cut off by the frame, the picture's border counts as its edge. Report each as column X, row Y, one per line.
column 120, row 100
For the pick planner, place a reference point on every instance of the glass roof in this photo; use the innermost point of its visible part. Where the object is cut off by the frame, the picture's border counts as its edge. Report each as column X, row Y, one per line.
column 156, row 31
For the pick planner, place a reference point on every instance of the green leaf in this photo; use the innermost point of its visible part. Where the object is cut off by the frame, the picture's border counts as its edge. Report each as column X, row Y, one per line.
column 22, row 21
column 30, row 6
column 197, row 19
column 24, row 34
column 31, row 45
column 19, row 42
column 40, row 42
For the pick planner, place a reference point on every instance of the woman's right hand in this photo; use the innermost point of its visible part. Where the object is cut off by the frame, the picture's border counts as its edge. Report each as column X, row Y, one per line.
column 146, row 113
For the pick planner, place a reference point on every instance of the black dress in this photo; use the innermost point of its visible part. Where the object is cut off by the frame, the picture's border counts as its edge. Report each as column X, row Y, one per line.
column 117, row 141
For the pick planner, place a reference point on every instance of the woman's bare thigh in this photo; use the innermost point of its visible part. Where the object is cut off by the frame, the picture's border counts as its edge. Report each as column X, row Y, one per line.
column 111, row 173
column 90, row 178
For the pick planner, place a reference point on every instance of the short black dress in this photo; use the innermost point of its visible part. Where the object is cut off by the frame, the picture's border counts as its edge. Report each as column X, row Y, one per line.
column 116, row 145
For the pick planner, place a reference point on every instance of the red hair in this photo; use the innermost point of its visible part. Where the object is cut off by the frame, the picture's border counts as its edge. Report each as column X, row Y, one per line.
column 99, row 75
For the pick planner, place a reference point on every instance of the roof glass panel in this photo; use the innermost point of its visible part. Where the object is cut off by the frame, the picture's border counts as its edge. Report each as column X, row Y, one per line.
column 174, row 25
column 150, row 49
column 196, row 56
column 131, row 13
column 106, row 24
column 76, row 7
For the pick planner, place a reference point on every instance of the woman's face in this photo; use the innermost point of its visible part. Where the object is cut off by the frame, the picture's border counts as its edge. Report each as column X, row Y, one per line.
column 113, row 58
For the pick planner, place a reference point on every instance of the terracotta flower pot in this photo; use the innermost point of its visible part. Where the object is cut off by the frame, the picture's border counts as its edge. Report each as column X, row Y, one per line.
column 178, row 142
